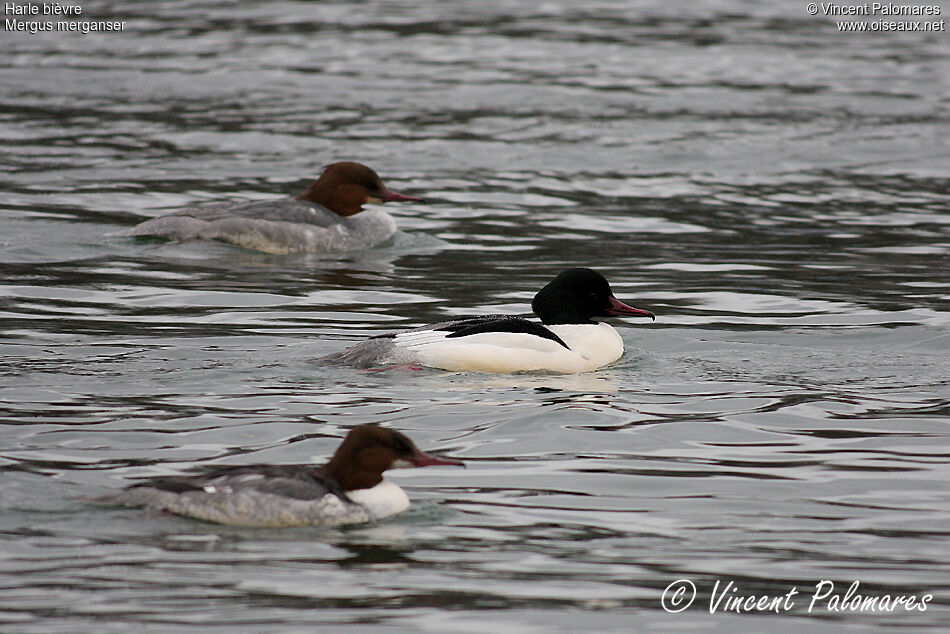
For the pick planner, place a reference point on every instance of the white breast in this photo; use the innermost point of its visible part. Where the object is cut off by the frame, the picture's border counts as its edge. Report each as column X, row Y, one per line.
column 364, row 230
column 597, row 344
column 382, row 500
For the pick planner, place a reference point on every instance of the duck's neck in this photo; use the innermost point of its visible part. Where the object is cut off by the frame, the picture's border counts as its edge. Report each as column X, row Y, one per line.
column 349, row 477
column 342, row 200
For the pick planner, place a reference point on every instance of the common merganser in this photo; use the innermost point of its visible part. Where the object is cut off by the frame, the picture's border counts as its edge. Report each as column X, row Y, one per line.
column 328, row 217
column 349, row 489
column 570, row 340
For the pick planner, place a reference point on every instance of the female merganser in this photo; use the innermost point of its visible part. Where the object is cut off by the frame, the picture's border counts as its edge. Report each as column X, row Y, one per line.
column 570, row 341
column 347, row 490
column 328, row 217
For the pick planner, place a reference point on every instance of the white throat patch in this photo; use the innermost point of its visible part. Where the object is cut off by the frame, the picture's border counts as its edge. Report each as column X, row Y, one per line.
column 382, row 500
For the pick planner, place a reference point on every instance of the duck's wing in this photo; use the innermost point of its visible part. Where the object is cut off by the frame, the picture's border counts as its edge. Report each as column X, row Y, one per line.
column 254, row 495
column 279, row 226
column 485, row 324
column 493, row 324
column 281, row 210
column 298, row 482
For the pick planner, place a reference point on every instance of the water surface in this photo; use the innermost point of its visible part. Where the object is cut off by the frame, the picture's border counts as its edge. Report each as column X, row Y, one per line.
column 775, row 191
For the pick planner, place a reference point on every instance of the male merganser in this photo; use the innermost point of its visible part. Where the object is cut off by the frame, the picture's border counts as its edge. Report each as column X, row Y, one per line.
column 328, row 217
column 571, row 339
column 349, row 489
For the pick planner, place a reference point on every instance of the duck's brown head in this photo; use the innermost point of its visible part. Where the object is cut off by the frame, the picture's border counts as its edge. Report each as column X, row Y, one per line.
column 345, row 187
column 368, row 450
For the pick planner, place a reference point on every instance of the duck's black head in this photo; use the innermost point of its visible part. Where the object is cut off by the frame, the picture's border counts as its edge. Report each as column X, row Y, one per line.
column 579, row 296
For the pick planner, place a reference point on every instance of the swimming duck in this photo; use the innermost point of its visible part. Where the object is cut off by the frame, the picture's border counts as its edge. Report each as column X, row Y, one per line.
column 349, row 489
column 328, row 217
column 570, row 338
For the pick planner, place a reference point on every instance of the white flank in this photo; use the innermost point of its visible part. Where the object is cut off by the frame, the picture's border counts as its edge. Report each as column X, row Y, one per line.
column 591, row 346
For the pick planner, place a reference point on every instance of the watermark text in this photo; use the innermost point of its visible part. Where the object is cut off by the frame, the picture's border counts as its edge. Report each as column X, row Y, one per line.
column 878, row 17
column 824, row 596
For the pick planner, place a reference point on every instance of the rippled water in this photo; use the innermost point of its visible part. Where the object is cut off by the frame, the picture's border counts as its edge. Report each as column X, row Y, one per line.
column 775, row 191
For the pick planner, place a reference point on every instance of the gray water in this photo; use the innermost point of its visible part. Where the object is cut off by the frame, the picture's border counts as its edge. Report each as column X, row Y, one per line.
column 774, row 190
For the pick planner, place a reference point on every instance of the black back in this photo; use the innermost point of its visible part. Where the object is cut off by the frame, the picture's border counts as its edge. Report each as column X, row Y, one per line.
column 496, row 323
